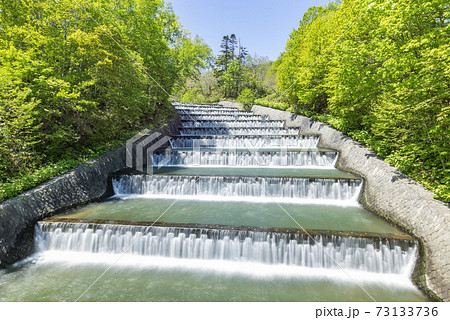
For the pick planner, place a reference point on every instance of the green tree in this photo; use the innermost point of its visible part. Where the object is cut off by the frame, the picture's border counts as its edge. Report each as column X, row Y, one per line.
column 304, row 66
column 380, row 71
column 257, row 72
column 230, row 66
column 247, row 97
column 73, row 77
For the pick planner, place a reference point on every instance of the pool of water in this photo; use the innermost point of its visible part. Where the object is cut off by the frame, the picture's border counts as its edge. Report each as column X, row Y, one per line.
column 64, row 276
column 256, row 172
column 285, row 215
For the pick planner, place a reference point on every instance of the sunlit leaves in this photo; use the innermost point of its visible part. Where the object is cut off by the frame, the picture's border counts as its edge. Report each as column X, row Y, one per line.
column 304, row 66
column 387, row 79
column 76, row 74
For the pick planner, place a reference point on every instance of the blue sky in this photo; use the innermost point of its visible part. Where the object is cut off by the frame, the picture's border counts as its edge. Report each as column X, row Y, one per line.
column 263, row 26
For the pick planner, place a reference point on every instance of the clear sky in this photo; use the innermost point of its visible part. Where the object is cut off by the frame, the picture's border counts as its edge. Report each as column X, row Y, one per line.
column 263, row 26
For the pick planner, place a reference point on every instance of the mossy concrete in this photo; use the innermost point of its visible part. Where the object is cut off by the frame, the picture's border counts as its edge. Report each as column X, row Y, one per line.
column 390, row 192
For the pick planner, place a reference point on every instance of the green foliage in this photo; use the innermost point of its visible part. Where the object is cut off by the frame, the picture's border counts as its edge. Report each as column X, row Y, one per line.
column 304, row 65
column 27, row 180
column 272, row 104
column 233, row 72
column 193, row 96
column 257, row 74
column 229, row 69
column 247, row 97
column 193, row 56
column 203, row 89
column 260, row 75
column 73, row 77
column 379, row 71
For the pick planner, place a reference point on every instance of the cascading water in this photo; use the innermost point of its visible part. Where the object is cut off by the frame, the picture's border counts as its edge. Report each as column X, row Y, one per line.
column 238, row 131
column 232, row 124
column 222, row 118
column 324, row 252
column 240, row 188
column 288, row 256
column 214, row 113
column 246, row 142
column 212, row 109
column 272, row 159
column 183, row 106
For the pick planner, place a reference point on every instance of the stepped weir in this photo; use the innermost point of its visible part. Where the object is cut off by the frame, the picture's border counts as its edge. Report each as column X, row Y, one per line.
column 237, row 201
column 324, row 252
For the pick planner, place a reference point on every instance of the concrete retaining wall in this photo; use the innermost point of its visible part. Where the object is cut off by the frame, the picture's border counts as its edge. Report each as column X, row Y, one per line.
column 389, row 191
column 83, row 184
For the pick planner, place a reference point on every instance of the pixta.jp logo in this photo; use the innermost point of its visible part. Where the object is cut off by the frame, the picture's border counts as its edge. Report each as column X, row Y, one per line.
column 140, row 151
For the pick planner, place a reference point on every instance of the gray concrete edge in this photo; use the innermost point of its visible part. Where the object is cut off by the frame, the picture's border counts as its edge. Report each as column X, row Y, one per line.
column 85, row 183
column 390, row 192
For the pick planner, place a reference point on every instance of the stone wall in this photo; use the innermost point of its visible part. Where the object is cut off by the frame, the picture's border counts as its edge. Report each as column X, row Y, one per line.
column 87, row 182
column 390, row 192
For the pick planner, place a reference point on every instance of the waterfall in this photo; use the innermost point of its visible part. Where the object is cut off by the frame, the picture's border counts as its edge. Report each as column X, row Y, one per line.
column 239, row 131
column 210, row 109
column 204, row 127
column 324, row 252
column 232, row 124
column 214, row 113
column 240, row 188
column 271, row 159
column 182, row 106
column 247, row 142
column 222, row 118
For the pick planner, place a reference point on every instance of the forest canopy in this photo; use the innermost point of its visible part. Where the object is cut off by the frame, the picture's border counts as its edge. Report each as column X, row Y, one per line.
column 379, row 71
column 78, row 74
column 232, row 74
